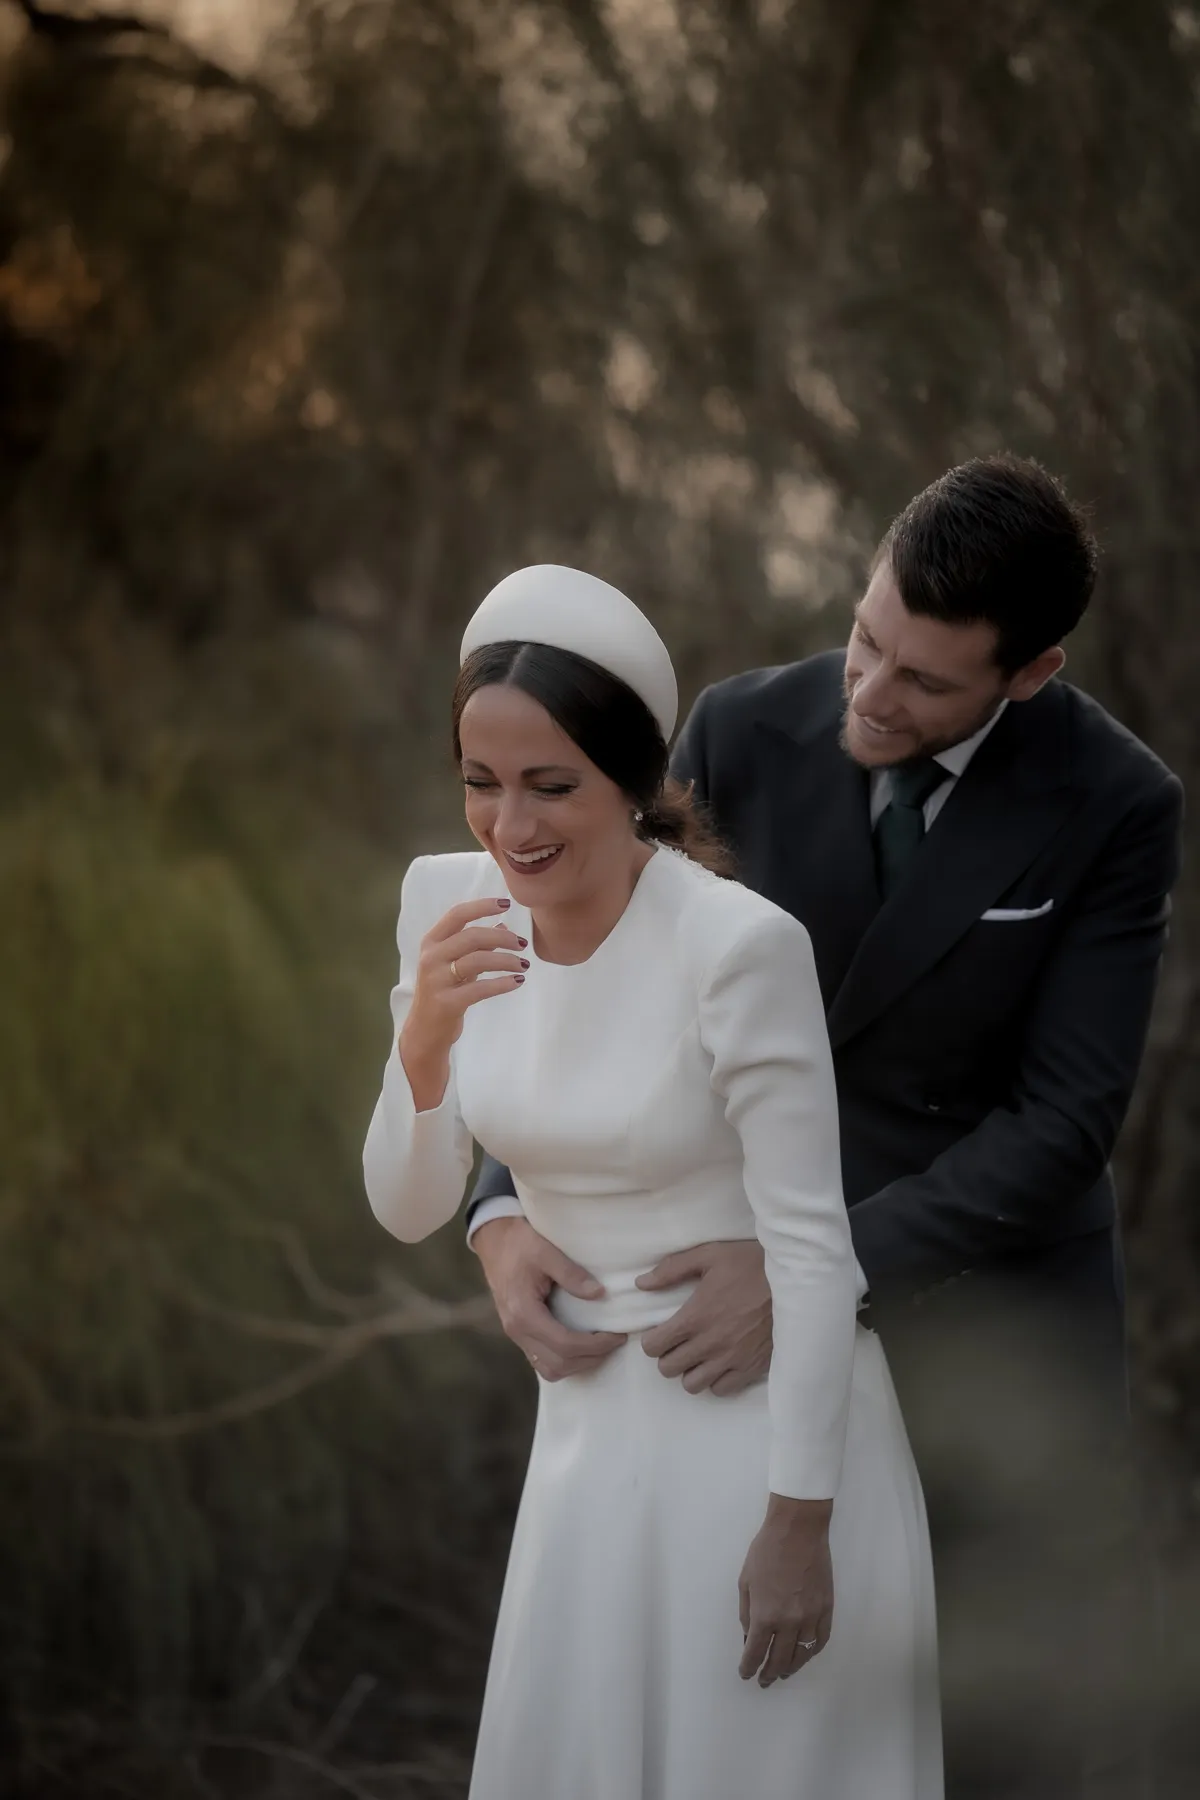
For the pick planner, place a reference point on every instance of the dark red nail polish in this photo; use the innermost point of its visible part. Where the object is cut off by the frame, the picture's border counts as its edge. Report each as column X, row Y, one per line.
column 504, row 905
column 524, row 962
column 524, row 943
column 518, row 978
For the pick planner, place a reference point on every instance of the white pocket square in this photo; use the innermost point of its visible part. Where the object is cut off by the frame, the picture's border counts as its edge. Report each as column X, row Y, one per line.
column 1011, row 915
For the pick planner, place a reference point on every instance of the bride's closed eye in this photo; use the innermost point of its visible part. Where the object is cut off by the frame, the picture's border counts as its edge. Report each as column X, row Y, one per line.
column 548, row 793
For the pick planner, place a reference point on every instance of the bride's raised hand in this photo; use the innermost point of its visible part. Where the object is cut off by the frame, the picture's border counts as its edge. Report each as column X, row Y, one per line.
column 461, row 963
column 786, row 1590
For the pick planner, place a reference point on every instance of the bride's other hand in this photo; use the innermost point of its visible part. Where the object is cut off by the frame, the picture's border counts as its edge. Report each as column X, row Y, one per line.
column 461, row 963
column 523, row 1269
column 720, row 1338
column 786, row 1590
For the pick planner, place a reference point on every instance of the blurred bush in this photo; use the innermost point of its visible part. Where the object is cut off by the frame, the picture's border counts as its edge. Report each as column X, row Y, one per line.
column 235, row 1483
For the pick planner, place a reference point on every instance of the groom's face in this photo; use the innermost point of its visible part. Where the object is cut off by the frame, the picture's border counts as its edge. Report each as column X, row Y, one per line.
column 914, row 685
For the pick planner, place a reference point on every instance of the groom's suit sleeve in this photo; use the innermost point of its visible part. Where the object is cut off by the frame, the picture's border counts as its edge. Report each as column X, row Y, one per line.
column 492, row 1197
column 494, row 1193
column 996, row 1188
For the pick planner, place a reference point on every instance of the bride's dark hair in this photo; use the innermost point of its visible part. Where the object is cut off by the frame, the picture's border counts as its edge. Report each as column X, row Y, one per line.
column 614, row 729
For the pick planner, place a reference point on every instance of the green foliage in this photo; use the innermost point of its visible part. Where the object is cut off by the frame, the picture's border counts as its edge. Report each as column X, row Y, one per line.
column 189, row 1048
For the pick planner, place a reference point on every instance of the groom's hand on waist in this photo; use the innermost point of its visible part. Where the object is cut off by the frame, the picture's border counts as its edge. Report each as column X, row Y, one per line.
column 523, row 1269
column 720, row 1339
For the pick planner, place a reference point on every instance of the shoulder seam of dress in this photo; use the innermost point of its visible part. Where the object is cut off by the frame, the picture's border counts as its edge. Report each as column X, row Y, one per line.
column 759, row 924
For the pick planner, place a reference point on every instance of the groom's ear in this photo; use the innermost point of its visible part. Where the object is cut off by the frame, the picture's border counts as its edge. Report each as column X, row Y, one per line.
column 1033, row 677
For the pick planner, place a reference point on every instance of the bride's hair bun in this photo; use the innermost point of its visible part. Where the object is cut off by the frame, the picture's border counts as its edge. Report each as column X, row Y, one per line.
column 676, row 819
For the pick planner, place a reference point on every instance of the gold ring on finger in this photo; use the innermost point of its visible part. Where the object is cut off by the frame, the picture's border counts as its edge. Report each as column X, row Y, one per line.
column 454, row 976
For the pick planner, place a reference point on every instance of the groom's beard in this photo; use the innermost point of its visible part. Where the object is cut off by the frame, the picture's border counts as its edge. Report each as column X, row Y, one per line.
column 928, row 746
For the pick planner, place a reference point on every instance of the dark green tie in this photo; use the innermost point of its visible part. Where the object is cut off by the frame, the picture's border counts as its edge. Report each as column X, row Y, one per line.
column 901, row 825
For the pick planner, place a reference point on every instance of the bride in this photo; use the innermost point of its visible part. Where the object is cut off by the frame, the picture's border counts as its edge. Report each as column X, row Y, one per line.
column 643, row 1043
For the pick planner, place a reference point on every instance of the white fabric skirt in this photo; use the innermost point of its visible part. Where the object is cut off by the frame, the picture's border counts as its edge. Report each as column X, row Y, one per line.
column 614, row 1672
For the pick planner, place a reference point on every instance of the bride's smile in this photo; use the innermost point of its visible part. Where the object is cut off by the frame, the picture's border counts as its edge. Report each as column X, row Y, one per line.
column 560, row 829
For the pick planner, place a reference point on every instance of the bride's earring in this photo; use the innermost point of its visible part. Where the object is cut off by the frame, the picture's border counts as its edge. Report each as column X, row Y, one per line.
column 638, row 817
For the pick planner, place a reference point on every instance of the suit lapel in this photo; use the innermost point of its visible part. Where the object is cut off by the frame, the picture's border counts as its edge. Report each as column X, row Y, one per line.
column 1012, row 798
column 821, row 865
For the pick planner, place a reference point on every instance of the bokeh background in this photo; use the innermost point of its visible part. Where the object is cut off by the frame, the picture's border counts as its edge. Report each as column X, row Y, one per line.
column 316, row 317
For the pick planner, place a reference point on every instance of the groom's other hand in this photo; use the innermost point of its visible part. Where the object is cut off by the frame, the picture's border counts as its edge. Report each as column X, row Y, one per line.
column 523, row 1269
column 720, row 1339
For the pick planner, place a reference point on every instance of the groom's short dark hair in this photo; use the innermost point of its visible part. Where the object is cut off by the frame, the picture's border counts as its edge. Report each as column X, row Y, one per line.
column 996, row 541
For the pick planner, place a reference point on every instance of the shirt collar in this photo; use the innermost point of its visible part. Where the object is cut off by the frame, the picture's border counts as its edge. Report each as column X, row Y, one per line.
column 955, row 759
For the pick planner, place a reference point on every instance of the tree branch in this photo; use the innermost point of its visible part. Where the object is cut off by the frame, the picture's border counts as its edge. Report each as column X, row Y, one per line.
column 84, row 28
column 342, row 1345
column 159, row 50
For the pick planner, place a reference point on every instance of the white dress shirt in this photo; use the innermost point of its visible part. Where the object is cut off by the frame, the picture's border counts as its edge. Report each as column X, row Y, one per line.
column 954, row 760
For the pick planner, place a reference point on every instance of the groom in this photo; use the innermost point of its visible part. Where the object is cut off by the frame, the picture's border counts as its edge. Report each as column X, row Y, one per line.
column 983, row 858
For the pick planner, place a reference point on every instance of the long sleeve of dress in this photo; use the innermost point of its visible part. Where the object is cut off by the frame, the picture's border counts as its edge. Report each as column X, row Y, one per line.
column 763, row 1023
column 415, row 1164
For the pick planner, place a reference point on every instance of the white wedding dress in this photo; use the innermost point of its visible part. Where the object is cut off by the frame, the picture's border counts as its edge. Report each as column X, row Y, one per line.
column 674, row 1089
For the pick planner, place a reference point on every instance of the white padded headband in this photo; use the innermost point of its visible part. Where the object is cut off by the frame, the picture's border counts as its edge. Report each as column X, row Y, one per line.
column 549, row 604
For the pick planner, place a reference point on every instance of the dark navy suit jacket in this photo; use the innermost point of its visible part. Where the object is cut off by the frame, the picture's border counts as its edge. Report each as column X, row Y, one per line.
column 984, row 1065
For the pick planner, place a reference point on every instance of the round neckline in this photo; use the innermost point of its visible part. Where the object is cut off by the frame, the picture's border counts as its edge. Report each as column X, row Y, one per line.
column 602, row 946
